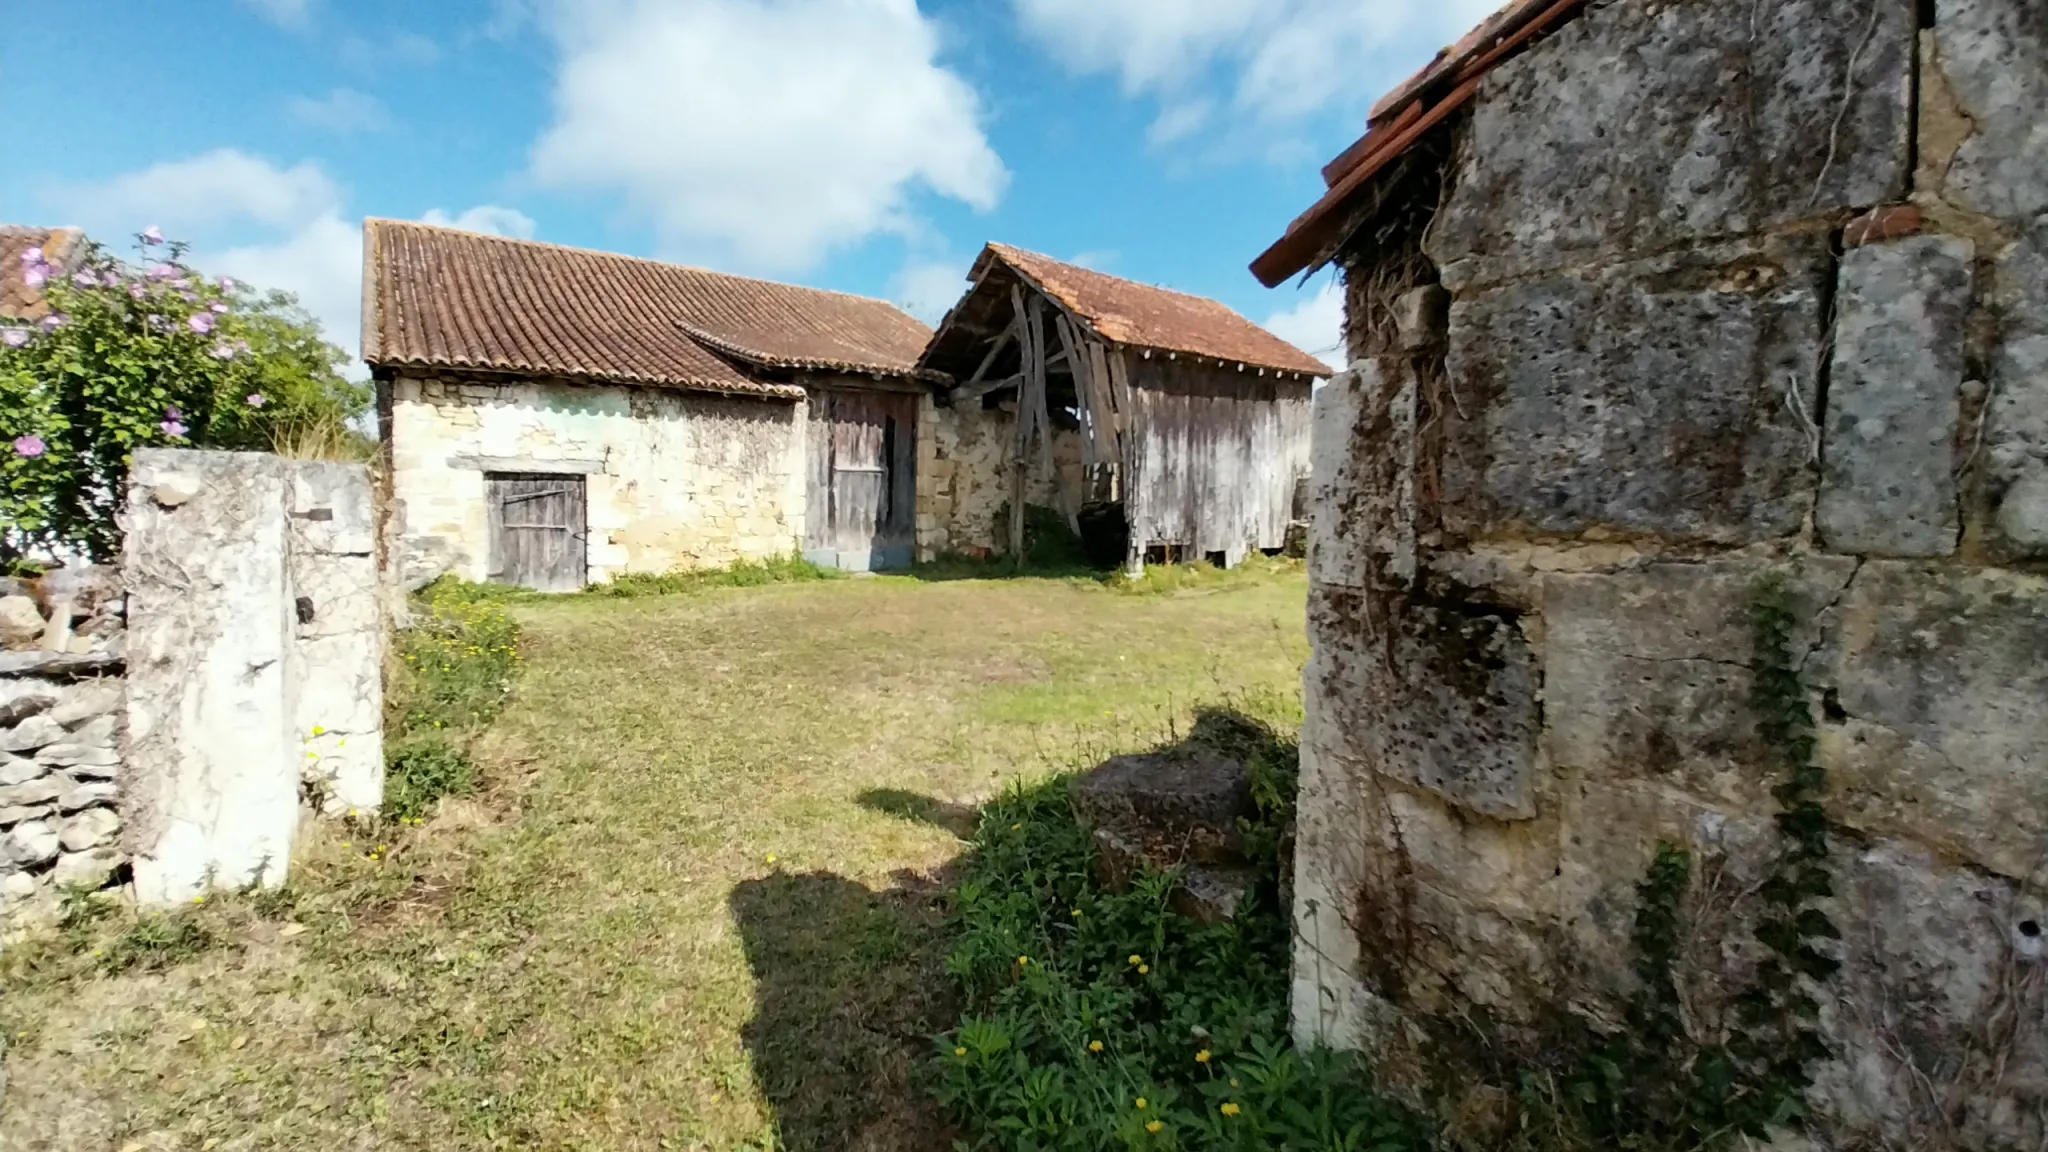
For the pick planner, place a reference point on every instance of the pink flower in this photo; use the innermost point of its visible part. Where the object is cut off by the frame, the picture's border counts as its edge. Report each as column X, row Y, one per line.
column 164, row 272
column 35, row 275
column 175, row 412
column 152, row 235
column 220, row 306
column 157, row 323
column 200, row 322
column 227, row 283
column 85, row 280
column 29, row 446
column 14, row 337
column 112, row 279
column 256, row 400
column 172, row 428
column 30, row 257
column 54, row 321
column 221, row 350
column 137, row 291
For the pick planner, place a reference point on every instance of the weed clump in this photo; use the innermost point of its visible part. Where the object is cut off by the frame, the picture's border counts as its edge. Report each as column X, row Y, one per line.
column 743, row 574
column 457, row 663
column 1100, row 1019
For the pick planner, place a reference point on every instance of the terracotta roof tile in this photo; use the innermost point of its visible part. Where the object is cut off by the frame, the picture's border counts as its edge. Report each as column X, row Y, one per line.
column 442, row 298
column 1126, row 312
column 62, row 247
column 1401, row 119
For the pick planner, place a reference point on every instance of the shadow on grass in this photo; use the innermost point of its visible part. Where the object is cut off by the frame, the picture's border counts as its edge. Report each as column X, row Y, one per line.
column 959, row 819
column 849, row 988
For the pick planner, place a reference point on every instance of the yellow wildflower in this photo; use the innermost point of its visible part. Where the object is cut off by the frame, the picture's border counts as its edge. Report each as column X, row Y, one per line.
column 1144, row 969
column 1229, row 1108
column 1137, row 959
column 959, row 1051
column 319, row 731
column 1202, row 1057
column 1095, row 1045
column 1023, row 960
column 1233, row 1082
column 771, row 857
column 1154, row 1127
column 1143, row 1103
column 1077, row 912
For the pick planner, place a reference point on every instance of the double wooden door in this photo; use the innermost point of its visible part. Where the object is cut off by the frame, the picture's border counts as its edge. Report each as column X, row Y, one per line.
column 539, row 534
column 861, row 512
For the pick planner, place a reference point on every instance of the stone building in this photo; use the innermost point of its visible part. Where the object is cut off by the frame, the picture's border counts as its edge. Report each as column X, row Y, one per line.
column 1162, row 420
column 1646, row 300
column 556, row 417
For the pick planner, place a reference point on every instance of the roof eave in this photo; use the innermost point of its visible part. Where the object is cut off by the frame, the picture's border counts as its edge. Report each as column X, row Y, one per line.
column 693, row 384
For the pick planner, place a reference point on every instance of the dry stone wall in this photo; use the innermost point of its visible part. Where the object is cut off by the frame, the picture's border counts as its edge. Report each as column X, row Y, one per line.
column 964, row 477
column 1725, row 298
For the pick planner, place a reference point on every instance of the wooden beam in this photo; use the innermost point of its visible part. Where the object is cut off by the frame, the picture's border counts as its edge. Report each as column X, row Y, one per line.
column 968, row 392
column 1004, row 337
column 1021, row 441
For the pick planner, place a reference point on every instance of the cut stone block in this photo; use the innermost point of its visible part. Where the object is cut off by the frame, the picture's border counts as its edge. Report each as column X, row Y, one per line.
column 2016, row 429
column 1888, row 487
column 1639, row 127
column 1178, row 804
column 1653, row 397
column 1990, row 52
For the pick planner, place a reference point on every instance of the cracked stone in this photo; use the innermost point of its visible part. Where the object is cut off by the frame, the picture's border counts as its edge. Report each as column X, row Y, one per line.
column 89, row 829
column 29, row 844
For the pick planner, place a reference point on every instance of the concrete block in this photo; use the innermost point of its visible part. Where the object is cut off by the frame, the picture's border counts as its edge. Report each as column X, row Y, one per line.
column 1647, row 397
column 1888, row 485
column 1934, row 727
column 1990, row 53
column 212, row 788
column 1639, row 127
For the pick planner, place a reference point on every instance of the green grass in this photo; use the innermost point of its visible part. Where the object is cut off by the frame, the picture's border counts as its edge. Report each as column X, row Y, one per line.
column 696, row 904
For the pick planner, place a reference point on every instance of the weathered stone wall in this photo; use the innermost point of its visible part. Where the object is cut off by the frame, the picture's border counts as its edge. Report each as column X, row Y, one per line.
column 60, row 716
column 1732, row 289
column 673, row 479
column 963, row 477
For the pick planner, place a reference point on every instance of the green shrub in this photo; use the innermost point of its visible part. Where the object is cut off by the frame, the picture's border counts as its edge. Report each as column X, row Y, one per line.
column 1081, row 1002
column 743, row 574
column 422, row 768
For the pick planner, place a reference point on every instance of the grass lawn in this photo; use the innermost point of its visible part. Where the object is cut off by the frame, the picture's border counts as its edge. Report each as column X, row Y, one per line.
column 695, row 908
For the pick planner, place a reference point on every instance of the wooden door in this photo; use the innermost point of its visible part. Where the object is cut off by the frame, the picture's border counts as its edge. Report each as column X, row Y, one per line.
column 538, row 534
column 862, row 507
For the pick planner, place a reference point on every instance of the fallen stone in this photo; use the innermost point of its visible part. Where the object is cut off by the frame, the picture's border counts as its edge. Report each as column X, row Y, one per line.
column 87, row 796
column 31, row 734
column 14, row 770
column 18, row 813
column 1173, row 805
column 89, row 829
column 29, row 844
column 20, row 624
column 41, row 791
column 88, row 700
column 91, row 869
column 1214, row 894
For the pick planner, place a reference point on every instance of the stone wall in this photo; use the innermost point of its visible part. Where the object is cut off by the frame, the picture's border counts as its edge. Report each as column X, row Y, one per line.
column 167, row 720
column 673, row 479
column 60, row 764
column 1723, row 299
column 963, row 477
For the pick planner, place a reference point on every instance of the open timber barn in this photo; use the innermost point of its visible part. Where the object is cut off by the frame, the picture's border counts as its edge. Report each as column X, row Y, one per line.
column 1162, row 421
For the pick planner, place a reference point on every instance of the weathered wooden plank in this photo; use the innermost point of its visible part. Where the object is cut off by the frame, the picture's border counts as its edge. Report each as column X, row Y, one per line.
column 968, row 392
column 1021, row 442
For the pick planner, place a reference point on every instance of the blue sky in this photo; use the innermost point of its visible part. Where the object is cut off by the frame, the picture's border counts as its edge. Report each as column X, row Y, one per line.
column 869, row 146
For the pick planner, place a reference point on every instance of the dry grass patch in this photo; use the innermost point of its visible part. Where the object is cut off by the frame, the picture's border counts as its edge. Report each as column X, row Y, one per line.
column 694, row 906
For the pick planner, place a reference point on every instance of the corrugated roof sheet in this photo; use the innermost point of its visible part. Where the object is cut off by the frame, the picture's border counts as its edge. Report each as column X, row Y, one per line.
column 1401, row 119
column 62, row 247
column 1143, row 316
column 442, row 298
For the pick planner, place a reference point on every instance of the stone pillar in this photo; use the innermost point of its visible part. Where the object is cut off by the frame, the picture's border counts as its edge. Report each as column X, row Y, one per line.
column 334, row 674
column 213, row 787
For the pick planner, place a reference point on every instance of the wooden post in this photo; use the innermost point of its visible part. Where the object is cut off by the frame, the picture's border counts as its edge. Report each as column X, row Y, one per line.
column 1021, row 441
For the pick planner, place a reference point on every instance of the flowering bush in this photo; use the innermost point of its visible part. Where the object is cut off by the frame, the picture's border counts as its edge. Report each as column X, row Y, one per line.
column 134, row 356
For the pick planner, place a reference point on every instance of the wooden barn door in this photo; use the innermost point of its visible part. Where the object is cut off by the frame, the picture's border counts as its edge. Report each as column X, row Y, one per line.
column 538, row 534
column 862, row 508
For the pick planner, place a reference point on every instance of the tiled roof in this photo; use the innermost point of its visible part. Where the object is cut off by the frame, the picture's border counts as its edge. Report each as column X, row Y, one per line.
column 437, row 297
column 1401, row 119
column 1142, row 316
column 62, row 247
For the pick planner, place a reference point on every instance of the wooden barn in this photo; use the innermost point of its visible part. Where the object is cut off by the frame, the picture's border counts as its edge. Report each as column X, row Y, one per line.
column 1159, row 420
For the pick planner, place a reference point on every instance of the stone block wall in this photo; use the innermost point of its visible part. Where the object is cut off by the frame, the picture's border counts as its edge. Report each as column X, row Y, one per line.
column 1724, row 299
column 963, row 477
column 673, row 479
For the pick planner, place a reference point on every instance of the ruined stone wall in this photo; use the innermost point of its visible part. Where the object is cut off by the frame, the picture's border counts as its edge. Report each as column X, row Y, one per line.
column 963, row 477
column 672, row 479
column 1715, row 289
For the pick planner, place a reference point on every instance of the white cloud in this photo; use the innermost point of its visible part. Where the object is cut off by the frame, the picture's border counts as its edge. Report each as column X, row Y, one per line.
column 1315, row 324
column 1268, row 61
column 927, row 289
column 762, row 133
column 491, row 219
column 198, row 193
column 342, row 110
column 283, row 13
column 272, row 227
